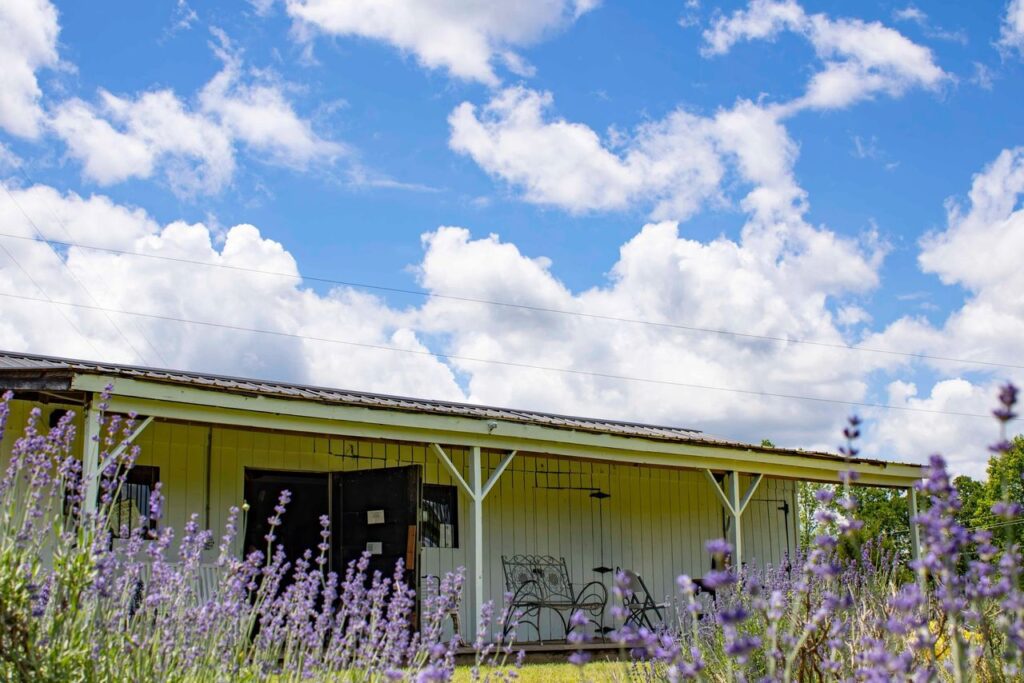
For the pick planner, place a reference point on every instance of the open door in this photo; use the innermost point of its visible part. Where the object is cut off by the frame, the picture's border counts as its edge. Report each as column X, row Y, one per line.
column 378, row 511
column 300, row 525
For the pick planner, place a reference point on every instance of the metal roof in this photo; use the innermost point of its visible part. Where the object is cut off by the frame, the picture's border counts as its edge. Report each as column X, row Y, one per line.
column 21, row 364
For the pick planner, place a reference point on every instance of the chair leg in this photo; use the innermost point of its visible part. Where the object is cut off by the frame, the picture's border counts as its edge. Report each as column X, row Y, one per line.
column 456, row 624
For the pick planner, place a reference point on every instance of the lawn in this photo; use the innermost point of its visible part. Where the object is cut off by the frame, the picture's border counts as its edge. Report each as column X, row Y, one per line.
column 560, row 673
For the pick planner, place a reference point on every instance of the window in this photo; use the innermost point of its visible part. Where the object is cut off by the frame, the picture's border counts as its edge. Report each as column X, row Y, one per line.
column 440, row 527
column 132, row 507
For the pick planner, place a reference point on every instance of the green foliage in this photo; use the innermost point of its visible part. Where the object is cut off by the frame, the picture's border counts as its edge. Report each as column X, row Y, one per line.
column 974, row 500
column 1004, row 482
column 885, row 513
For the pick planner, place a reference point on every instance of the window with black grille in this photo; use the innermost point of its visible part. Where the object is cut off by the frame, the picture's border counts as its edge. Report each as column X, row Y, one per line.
column 440, row 524
column 131, row 510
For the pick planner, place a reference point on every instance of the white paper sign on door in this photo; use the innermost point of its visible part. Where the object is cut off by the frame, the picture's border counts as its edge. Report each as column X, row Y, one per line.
column 374, row 547
column 374, row 516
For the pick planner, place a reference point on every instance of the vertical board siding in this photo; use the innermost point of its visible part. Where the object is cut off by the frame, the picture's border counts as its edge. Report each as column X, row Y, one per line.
column 655, row 521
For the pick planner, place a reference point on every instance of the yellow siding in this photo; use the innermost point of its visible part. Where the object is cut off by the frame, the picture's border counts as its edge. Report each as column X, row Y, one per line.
column 18, row 418
column 655, row 521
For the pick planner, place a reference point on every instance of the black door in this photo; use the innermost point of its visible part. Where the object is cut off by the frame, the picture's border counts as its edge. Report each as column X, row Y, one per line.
column 300, row 525
column 376, row 511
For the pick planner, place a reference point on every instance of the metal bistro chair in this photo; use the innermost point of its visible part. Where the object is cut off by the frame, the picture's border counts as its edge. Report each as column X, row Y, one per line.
column 639, row 602
column 541, row 583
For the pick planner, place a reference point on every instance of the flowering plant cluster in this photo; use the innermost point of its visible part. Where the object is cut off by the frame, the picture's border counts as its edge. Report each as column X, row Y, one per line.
column 76, row 606
column 829, row 616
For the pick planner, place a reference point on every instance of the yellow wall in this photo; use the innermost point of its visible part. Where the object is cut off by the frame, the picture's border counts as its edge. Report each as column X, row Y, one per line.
column 655, row 521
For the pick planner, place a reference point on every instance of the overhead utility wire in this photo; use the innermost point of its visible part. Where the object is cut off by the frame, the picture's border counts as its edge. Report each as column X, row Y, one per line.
column 530, row 307
column 64, row 229
column 504, row 363
column 50, row 300
column 77, row 281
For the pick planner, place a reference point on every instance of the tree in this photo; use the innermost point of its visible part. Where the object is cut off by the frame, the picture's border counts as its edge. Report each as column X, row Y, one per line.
column 972, row 499
column 1004, row 483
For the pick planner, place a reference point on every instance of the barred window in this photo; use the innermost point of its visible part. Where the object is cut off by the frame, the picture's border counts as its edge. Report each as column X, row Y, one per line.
column 131, row 510
column 440, row 526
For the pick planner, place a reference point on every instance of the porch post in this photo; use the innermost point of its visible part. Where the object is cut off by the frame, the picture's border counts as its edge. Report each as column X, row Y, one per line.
column 915, row 534
column 737, row 516
column 91, row 456
column 476, row 482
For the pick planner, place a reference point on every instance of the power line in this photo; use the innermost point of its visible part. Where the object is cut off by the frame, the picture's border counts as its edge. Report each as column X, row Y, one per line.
column 532, row 308
column 49, row 300
column 504, row 363
column 75, row 278
column 64, row 229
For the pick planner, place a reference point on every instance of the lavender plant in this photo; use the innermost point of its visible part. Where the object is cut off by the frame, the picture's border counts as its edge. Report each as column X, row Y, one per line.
column 76, row 607
column 830, row 616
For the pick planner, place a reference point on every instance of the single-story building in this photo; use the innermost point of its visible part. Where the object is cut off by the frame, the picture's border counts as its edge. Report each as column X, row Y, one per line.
column 439, row 484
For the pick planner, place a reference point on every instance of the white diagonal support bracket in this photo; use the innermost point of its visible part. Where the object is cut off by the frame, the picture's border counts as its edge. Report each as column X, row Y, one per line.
column 94, row 476
column 129, row 440
column 751, row 490
column 717, row 488
column 452, row 470
column 498, row 471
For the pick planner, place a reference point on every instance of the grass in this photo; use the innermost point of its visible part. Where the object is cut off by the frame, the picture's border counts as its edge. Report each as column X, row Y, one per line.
column 560, row 673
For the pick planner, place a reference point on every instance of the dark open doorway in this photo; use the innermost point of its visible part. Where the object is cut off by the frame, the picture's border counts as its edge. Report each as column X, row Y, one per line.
column 374, row 510
column 300, row 525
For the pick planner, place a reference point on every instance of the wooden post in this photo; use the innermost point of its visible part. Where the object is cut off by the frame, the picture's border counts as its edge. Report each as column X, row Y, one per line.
column 915, row 535
column 91, row 456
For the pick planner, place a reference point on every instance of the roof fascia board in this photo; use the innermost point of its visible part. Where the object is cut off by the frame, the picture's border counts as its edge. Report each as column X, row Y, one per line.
column 212, row 406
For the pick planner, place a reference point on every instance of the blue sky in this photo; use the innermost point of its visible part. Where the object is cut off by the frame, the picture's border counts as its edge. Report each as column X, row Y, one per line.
column 789, row 159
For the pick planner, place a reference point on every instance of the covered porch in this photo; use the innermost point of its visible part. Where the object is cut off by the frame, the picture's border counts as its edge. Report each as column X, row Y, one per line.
column 492, row 484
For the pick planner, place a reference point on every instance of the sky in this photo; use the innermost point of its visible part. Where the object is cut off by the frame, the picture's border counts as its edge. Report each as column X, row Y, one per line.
column 753, row 219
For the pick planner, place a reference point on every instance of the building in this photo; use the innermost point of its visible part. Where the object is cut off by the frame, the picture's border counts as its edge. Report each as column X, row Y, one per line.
column 439, row 484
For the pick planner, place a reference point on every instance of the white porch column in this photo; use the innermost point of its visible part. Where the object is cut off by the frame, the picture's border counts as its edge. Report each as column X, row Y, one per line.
column 737, row 519
column 915, row 534
column 476, row 483
column 91, row 455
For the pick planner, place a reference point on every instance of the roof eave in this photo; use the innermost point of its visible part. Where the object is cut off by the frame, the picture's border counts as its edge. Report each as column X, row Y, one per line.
column 210, row 404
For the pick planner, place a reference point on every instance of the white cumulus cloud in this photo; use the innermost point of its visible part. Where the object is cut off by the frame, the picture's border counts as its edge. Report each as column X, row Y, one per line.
column 859, row 59
column 464, row 37
column 776, row 284
column 164, row 288
column 125, row 137
column 978, row 251
column 679, row 164
column 192, row 145
column 1011, row 32
column 963, row 441
column 565, row 164
column 28, row 42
